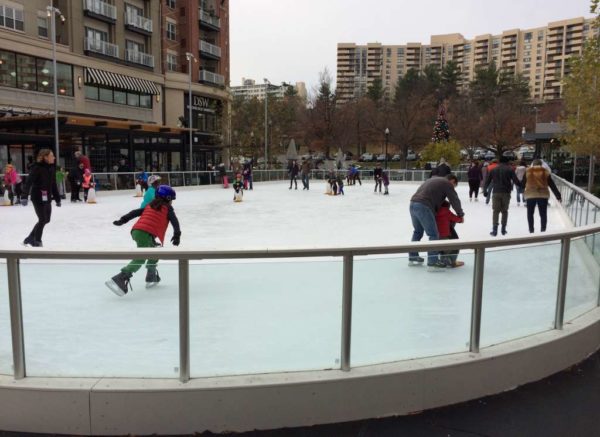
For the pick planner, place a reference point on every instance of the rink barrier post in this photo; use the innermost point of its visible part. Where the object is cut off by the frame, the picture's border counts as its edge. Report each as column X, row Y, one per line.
column 561, row 292
column 347, row 312
column 184, row 320
column 477, row 298
column 16, row 316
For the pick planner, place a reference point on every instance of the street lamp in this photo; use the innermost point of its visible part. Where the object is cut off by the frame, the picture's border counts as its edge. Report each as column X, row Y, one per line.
column 267, row 83
column 252, row 145
column 387, row 137
column 52, row 12
column 189, row 56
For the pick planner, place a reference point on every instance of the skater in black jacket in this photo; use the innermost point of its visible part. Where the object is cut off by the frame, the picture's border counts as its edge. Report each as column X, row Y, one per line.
column 41, row 185
column 378, row 176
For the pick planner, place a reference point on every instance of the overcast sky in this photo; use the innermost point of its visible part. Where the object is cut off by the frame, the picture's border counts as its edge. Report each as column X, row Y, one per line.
column 293, row 40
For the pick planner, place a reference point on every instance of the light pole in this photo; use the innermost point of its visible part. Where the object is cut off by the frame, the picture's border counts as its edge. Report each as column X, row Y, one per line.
column 252, row 146
column 52, row 12
column 266, row 118
column 387, row 137
column 189, row 56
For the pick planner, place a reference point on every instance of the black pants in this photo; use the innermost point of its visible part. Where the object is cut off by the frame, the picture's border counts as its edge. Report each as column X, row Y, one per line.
column 378, row 184
column 473, row 188
column 43, row 210
column 75, row 187
column 542, row 205
column 294, row 179
column 357, row 178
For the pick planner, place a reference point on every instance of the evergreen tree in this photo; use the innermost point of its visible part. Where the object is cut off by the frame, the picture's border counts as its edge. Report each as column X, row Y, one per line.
column 441, row 132
column 375, row 91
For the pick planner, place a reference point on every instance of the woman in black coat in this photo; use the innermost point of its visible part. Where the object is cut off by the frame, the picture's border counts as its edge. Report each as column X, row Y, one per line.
column 41, row 185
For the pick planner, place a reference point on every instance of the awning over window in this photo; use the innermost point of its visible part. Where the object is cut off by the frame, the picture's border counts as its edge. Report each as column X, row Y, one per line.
column 106, row 78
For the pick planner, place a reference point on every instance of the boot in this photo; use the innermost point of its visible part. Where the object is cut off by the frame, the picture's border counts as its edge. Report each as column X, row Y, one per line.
column 152, row 278
column 119, row 284
column 503, row 230
column 494, row 232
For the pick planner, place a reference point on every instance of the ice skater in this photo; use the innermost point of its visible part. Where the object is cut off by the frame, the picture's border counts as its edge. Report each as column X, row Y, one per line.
column 501, row 178
column 87, row 183
column 238, row 188
column 340, row 184
column 153, row 222
column 386, row 183
column 293, row 170
column 150, row 194
column 475, row 176
column 537, row 182
column 377, row 176
column 446, row 221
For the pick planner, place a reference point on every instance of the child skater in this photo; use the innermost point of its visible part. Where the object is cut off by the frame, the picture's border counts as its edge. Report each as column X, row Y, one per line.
column 445, row 221
column 333, row 183
column 386, row 182
column 340, row 184
column 87, row 183
column 153, row 184
column 238, row 187
column 152, row 224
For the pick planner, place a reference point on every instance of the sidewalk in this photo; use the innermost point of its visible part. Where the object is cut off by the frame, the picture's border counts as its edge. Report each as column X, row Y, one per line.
column 565, row 404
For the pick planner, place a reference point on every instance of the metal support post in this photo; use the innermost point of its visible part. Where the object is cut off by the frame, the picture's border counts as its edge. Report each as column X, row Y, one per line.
column 347, row 312
column 16, row 317
column 562, row 283
column 477, row 300
column 184, row 320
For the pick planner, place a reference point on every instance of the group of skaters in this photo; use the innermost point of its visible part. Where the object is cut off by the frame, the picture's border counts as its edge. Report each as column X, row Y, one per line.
column 430, row 205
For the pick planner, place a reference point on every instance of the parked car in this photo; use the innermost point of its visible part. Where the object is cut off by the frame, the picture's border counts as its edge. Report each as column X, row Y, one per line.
column 396, row 157
column 489, row 155
column 527, row 156
column 381, row 157
column 366, row 157
column 510, row 155
column 411, row 156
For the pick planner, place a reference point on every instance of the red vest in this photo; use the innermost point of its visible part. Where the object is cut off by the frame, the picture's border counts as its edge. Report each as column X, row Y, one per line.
column 154, row 222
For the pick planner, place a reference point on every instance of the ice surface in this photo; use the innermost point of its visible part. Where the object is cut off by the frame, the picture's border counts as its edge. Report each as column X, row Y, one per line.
column 258, row 316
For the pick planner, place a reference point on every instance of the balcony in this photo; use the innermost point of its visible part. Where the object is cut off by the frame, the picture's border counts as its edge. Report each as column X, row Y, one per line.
column 140, row 58
column 210, row 77
column 138, row 23
column 209, row 21
column 101, row 10
column 210, row 50
column 101, row 47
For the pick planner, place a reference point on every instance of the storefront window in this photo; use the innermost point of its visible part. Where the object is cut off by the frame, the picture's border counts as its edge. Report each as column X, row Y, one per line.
column 120, row 97
column 106, row 95
column 8, row 69
column 145, row 101
column 133, row 99
column 91, row 92
column 45, row 77
column 65, row 79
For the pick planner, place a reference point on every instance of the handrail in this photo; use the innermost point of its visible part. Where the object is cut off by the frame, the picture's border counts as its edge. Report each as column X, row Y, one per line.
column 178, row 254
column 588, row 196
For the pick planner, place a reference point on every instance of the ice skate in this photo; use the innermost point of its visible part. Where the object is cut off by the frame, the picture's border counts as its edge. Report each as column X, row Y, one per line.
column 152, row 278
column 415, row 261
column 503, row 231
column 457, row 264
column 436, row 267
column 119, row 284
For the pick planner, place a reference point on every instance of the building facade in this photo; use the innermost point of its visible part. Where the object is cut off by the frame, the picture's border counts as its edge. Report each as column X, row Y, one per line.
column 250, row 89
column 122, row 80
column 539, row 54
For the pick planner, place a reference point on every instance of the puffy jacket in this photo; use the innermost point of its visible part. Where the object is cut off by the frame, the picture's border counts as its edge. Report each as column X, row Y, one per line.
column 536, row 181
column 443, row 218
column 11, row 177
column 87, row 181
column 154, row 221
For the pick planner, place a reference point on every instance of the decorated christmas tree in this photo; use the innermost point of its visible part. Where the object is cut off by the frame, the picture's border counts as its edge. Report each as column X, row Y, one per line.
column 441, row 133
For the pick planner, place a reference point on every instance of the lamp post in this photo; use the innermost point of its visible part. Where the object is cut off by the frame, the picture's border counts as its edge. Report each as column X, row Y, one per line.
column 267, row 83
column 387, row 137
column 252, row 145
column 189, row 56
column 52, row 12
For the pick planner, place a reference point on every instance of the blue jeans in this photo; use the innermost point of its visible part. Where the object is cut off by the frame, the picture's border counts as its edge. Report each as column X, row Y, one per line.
column 520, row 194
column 423, row 221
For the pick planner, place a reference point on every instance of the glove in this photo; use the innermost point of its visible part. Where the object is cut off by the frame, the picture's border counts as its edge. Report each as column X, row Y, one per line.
column 175, row 240
column 58, row 204
column 119, row 222
column 24, row 201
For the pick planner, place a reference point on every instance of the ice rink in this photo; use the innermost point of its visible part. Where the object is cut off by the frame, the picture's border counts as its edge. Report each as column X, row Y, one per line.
column 255, row 316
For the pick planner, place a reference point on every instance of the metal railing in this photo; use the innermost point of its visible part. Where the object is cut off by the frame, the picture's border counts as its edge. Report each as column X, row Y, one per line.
column 139, row 58
column 135, row 20
column 103, row 47
column 209, row 76
column 101, row 8
column 205, row 17
column 209, row 48
column 348, row 255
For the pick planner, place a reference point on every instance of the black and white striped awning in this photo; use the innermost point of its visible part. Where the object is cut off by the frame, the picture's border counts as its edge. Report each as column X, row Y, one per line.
column 120, row 81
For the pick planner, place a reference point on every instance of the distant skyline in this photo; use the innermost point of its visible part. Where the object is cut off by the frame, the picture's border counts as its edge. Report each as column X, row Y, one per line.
column 293, row 40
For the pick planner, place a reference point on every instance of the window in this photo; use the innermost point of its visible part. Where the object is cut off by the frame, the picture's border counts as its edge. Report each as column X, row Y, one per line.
column 133, row 99
column 42, row 24
column 8, row 69
column 45, row 78
column 171, row 4
column 146, row 101
column 11, row 17
column 120, row 97
column 106, row 95
column 171, row 62
column 91, row 92
column 26, row 77
column 135, row 46
column 528, row 36
column 171, row 30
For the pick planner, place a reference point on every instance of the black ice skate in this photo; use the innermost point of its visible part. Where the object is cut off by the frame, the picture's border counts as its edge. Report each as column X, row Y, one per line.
column 415, row 261
column 152, row 278
column 119, row 284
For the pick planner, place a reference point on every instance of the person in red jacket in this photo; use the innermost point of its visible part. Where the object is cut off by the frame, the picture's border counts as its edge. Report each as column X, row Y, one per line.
column 153, row 222
column 445, row 221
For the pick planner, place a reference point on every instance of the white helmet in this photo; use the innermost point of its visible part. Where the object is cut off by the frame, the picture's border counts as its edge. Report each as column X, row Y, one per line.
column 153, row 178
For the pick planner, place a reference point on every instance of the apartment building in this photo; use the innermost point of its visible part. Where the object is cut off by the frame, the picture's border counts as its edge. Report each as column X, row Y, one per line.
column 121, row 92
column 539, row 54
column 250, row 89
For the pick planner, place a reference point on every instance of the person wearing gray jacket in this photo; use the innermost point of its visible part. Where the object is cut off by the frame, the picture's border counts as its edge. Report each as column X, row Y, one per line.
column 423, row 207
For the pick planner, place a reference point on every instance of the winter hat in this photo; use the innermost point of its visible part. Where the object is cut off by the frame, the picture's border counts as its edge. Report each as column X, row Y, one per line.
column 153, row 178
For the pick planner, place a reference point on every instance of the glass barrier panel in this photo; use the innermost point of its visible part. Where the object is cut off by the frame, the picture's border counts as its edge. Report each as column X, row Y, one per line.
column 6, row 359
column 402, row 312
column 74, row 326
column 583, row 279
column 261, row 316
column 519, row 292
